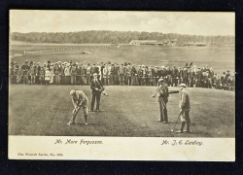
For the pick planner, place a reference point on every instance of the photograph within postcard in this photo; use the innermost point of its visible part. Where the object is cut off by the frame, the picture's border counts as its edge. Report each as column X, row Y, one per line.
column 121, row 74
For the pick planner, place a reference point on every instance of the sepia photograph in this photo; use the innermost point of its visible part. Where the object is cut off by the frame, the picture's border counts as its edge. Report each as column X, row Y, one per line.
column 122, row 74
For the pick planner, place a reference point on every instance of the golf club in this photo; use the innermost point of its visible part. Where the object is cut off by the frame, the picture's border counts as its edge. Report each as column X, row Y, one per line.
column 173, row 129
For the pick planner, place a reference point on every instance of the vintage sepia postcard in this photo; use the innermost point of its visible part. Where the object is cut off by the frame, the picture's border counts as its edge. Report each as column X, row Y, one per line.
column 121, row 85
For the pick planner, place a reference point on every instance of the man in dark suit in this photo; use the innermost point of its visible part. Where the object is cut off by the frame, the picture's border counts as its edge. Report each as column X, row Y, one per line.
column 25, row 69
column 162, row 94
column 97, row 88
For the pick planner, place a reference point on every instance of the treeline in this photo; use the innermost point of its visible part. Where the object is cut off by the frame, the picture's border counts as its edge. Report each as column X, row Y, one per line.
column 116, row 37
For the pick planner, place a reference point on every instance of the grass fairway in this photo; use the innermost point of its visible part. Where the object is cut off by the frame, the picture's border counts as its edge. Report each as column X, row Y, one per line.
column 130, row 111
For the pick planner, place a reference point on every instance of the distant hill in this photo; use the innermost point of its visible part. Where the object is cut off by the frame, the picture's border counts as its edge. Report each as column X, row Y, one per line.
column 116, row 37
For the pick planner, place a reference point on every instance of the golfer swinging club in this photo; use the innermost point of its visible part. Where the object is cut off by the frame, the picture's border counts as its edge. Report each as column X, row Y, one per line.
column 79, row 100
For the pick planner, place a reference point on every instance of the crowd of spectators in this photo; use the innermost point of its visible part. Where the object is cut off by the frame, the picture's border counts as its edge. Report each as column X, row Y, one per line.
column 71, row 73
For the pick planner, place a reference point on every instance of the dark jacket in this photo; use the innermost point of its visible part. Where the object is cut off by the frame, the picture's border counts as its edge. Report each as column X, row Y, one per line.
column 162, row 93
column 96, row 84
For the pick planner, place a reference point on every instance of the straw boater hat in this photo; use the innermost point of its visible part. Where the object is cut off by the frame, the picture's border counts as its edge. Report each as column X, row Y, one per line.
column 182, row 85
column 160, row 80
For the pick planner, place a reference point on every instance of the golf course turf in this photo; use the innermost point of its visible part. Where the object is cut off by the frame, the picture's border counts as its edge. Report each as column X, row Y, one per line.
column 127, row 112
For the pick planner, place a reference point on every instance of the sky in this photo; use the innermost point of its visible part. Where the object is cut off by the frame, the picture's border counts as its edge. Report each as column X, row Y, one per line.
column 194, row 23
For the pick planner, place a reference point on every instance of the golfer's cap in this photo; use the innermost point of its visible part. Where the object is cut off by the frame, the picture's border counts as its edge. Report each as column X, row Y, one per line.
column 72, row 92
column 182, row 85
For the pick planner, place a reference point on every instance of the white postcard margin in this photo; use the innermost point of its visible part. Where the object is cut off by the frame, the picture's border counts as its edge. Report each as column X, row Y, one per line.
column 121, row 148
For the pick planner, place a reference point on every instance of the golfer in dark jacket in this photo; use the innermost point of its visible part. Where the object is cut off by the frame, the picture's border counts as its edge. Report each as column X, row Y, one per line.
column 97, row 88
column 162, row 93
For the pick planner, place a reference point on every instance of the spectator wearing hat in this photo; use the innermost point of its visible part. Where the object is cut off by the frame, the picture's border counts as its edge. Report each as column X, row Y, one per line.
column 37, row 77
column 117, row 75
column 88, row 73
column 15, row 74
column 60, row 73
column 162, row 94
column 78, row 76
column 105, row 75
column 83, row 71
column 51, row 73
column 140, row 75
column 42, row 76
column 18, row 73
column 128, row 74
column 73, row 72
column 133, row 75
column 121, row 72
column 56, row 74
column 47, row 76
column 112, row 74
column 33, row 73
column 102, row 66
column 93, row 69
column 124, row 74
column 184, row 105
column 143, row 75
column 98, row 71
column 67, row 74
column 109, row 78
column 150, row 76
column 96, row 88
column 25, row 69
